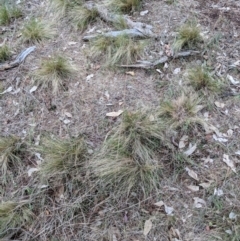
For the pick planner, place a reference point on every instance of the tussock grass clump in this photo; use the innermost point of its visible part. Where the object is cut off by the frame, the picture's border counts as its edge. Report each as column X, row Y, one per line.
column 82, row 17
column 62, row 157
column 124, row 6
column 11, row 150
column 181, row 111
column 8, row 13
column 128, row 159
column 35, row 31
column 201, row 79
column 54, row 71
column 13, row 215
column 119, row 50
column 4, row 53
column 188, row 36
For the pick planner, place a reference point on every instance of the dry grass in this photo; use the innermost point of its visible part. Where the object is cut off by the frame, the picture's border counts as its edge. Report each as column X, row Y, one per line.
column 35, row 30
column 54, row 72
column 188, row 36
column 119, row 50
column 62, row 157
column 13, row 215
column 128, row 159
column 4, row 53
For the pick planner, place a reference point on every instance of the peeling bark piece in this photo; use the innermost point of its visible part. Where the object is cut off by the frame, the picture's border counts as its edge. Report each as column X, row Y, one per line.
column 20, row 58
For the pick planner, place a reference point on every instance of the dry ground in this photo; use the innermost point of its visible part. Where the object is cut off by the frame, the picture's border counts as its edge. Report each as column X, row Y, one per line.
column 206, row 207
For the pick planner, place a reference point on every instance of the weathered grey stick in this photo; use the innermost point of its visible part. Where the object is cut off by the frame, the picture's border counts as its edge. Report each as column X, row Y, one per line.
column 164, row 59
column 20, row 58
column 132, row 33
column 144, row 29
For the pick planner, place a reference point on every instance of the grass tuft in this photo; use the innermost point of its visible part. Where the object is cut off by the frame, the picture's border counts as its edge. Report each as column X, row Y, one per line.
column 188, row 36
column 4, row 53
column 119, row 50
column 62, row 157
column 8, row 13
column 54, row 71
column 181, row 111
column 11, row 149
column 124, row 6
column 201, row 79
column 128, row 159
column 13, row 216
column 36, row 31
column 82, row 17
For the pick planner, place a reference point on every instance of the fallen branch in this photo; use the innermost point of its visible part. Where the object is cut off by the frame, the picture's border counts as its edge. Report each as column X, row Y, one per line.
column 136, row 29
column 164, row 59
column 132, row 33
column 20, row 58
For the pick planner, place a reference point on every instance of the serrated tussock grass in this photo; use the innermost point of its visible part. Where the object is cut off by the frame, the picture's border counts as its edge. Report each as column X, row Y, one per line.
column 82, row 17
column 35, row 30
column 188, row 35
column 8, row 13
column 11, row 150
column 13, row 216
column 54, row 72
column 119, row 50
column 128, row 160
column 124, row 6
column 182, row 111
column 4, row 53
column 62, row 156
column 201, row 79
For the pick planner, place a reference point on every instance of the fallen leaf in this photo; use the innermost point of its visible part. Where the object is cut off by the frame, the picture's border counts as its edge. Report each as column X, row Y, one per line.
column 193, row 188
column 114, row 238
column 230, row 133
column 66, row 122
column 72, row 43
column 237, row 152
column 147, row 227
column 232, row 80
column 114, row 114
column 232, row 215
column 151, row 118
column 218, row 192
column 205, row 185
column 107, row 95
column 182, row 142
column 142, row 13
column 31, row 171
column 159, row 204
column 168, row 210
column 89, row 77
column 192, row 174
column 69, row 115
column 9, row 89
column 177, row 71
column 198, row 202
column 229, row 162
column 130, row 73
column 220, row 139
column 207, row 160
column 190, row 150
column 219, row 104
